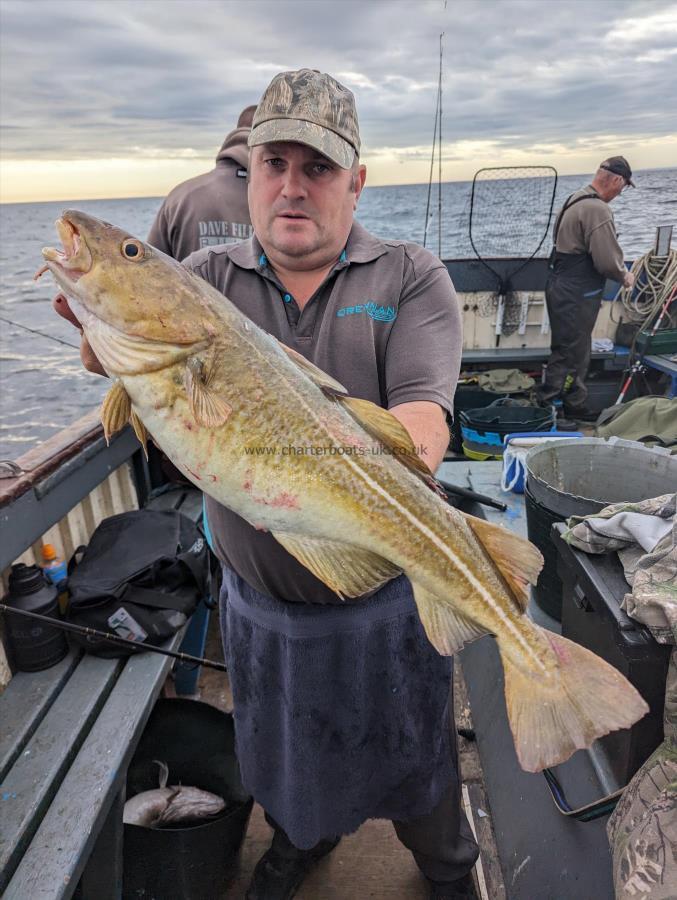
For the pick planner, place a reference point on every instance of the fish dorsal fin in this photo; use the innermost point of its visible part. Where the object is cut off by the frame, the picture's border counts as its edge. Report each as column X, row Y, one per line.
column 321, row 379
column 447, row 629
column 207, row 406
column 115, row 409
column 518, row 561
column 383, row 425
column 346, row 569
column 380, row 423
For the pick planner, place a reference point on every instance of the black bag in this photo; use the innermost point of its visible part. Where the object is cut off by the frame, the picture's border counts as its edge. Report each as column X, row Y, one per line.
column 141, row 576
column 626, row 332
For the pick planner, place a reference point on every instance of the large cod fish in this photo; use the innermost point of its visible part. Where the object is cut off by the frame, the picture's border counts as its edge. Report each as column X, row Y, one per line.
column 211, row 387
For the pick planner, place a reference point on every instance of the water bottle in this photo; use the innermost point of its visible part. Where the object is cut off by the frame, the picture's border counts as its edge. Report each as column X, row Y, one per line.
column 33, row 645
column 57, row 573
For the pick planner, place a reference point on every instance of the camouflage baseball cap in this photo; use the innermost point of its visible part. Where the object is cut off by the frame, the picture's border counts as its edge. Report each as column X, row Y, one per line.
column 309, row 107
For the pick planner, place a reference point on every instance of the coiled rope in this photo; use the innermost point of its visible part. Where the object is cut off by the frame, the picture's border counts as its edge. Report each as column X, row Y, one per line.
column 655, row 280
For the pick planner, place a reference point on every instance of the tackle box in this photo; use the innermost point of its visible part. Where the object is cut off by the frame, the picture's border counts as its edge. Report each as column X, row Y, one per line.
column 664, row 341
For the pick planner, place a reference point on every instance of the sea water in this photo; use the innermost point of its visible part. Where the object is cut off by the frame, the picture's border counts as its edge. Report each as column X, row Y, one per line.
column 43, row 386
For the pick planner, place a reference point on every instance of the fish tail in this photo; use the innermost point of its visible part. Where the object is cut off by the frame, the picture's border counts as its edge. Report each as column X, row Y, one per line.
column 554, row 714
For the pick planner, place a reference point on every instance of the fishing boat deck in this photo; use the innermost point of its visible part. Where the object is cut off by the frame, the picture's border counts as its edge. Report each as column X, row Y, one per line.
column 371, row 862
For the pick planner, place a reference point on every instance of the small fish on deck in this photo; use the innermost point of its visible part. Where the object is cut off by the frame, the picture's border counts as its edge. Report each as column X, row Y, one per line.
column 171, row 805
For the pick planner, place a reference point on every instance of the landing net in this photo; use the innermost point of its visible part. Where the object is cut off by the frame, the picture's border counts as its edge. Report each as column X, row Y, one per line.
column 510, row 214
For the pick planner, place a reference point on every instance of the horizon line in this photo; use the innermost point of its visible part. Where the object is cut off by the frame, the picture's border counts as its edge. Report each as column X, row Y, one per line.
column 366, row 187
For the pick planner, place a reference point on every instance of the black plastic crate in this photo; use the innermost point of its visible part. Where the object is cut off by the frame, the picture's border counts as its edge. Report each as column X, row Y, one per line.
column 593, row 588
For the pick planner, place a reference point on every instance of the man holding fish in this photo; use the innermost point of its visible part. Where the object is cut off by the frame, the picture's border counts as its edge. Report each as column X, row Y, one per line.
column 342, row 709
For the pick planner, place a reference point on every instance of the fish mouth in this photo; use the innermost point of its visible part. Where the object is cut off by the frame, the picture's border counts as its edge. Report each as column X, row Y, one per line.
column 75, row 260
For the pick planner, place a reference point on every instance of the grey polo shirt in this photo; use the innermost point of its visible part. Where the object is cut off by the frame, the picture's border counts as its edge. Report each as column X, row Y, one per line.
column 385, row 323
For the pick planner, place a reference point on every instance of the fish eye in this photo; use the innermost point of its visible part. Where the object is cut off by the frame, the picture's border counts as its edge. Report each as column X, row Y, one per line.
column 133, row 249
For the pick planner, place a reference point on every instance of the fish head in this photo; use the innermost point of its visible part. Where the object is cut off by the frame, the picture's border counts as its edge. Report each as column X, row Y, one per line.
column 126, row 294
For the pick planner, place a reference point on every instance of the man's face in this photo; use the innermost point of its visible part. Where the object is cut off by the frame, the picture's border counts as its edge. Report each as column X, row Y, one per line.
column 613, row 184
column 301, row 203
column 619, row 185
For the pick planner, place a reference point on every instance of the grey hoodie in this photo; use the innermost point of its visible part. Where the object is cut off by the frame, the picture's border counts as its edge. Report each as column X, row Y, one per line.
column 208, row 209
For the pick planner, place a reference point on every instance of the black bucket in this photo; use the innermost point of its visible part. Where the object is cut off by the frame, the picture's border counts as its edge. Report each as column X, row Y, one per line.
column 468, row 397
column 197, row 743
column 548, row 588
column 579, row 478
column 483, row 430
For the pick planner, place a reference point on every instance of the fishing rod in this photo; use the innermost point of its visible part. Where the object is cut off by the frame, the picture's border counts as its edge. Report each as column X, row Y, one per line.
column 40, row 333
column 115, row 638
column 472, row 495
column 638, row 366
column 437, row 137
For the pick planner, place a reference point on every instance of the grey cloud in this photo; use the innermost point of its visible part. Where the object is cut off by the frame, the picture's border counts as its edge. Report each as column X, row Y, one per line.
column 100, row 78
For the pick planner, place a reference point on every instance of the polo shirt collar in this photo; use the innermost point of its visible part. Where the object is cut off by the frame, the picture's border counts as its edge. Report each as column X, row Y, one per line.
column 247, row 254
column 361, row 247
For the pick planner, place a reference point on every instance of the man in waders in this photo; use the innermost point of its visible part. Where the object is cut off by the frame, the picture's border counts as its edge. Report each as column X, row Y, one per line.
column 343, row 711
column 585, row 253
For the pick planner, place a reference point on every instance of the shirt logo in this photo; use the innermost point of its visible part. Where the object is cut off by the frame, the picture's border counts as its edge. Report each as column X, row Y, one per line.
column 375, row 311
column 214, row 232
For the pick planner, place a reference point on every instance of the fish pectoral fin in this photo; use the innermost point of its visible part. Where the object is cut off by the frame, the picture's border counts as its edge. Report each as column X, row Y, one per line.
column 116, row 409
column 140, row 432
column 447, row 628
column 208, row 408
column 518, row 561
column 383, row 425
column 321, row 379
column 346, row 569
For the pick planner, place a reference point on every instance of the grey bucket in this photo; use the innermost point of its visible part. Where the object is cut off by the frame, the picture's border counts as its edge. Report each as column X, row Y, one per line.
column 581, row 477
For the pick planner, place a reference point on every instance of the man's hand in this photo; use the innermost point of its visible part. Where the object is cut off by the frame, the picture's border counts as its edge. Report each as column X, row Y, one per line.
column 629, row 280
column 89, row 360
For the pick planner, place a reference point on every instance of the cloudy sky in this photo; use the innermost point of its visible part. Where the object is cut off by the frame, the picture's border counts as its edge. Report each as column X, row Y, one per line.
column 110, row 98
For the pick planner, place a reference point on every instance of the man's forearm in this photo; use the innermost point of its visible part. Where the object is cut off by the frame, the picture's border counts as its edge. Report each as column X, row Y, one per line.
column 427, row 425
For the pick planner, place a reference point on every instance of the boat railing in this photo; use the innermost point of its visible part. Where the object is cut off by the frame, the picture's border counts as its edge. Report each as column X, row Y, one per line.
column 62, row 489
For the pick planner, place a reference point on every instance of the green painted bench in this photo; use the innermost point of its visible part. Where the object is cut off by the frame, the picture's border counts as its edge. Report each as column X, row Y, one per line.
column 67, row 735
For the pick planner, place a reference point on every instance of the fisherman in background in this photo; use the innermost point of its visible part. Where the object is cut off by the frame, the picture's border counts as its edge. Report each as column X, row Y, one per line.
column 209, row 209
column 585, row 253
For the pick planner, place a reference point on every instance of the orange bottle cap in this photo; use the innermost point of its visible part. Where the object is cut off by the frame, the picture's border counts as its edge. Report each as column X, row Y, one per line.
column 48, row 551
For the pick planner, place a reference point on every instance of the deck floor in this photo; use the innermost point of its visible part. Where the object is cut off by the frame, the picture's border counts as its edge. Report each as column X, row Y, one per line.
column 370, row 863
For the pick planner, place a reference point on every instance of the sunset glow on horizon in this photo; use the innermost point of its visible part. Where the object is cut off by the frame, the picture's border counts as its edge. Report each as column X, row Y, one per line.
column 31, row 181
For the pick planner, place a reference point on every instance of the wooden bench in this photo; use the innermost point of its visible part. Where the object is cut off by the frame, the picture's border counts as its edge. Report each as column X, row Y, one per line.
column 67, row 736
column 67, row 733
